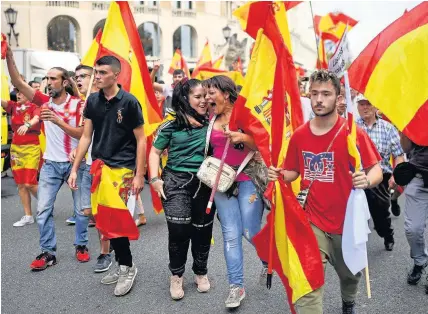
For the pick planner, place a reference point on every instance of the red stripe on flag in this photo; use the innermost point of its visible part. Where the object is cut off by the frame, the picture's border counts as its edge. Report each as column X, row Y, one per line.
column 363, row 66
column 25, row 176
column 418, row 123
column 115, row 223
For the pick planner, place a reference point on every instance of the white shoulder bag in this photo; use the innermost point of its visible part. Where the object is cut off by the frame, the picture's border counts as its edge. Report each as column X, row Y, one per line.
column 209, row 168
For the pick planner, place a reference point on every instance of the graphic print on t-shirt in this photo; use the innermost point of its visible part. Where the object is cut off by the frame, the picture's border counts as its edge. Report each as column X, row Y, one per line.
column 318, row 166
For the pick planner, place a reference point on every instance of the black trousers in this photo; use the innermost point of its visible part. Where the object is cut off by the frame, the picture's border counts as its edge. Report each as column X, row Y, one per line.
column 122, row 251
column 379, row 201
column 185, row 213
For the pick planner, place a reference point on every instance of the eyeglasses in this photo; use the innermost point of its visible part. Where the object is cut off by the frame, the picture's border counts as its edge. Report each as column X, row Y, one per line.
column 81, row 76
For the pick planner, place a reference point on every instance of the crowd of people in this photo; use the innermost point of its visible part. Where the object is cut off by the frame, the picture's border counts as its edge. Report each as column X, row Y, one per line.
column 97, row 145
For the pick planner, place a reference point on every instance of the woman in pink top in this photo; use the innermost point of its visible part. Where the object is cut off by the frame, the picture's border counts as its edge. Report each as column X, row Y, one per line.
column 239, row 215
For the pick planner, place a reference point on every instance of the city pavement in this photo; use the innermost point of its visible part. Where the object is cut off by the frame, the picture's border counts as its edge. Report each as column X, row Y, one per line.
column 71, row 287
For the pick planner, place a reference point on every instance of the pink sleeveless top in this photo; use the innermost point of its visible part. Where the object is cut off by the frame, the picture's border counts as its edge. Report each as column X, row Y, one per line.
column 234, row 157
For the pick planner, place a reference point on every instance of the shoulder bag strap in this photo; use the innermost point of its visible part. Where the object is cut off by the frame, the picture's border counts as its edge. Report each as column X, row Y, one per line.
column 328, row 149
column 209, row 131
column 245, row 161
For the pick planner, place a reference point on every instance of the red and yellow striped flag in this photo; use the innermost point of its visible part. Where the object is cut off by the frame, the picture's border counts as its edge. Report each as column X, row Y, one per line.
column 263, row 112
column 204, row 60
column 178, row 62
column 92, row 54
column 4, row 96
column 218, row 62
column 392, row 72
column 120, row 38
column 109, row 196
column 206, row 73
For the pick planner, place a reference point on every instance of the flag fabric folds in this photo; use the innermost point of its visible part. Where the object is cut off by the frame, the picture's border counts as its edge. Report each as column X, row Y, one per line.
column 111, row 188
column 218, row 62
column 206, row 73
column 269, row 109
column 392, row 72
column 120, row 38
column 179, row 63
column 204, row 60
column 24, row 162
column 92, row 53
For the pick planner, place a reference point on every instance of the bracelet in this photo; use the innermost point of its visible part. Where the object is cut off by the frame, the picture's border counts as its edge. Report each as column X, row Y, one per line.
column 27, row 124
column 153, row 180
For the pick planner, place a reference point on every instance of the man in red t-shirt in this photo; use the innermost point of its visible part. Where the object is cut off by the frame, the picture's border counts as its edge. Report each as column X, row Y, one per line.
column 318, row 152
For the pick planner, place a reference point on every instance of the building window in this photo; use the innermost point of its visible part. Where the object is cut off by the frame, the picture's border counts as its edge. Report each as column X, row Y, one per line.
column 63, row 34
column 98, row 26
column 149, row 3
column 185, row 5
column 150, row 37
column 185, row 39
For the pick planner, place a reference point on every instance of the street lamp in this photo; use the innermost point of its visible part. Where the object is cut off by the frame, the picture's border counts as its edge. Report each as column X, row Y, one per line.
column 11, row 16
column 226, row 32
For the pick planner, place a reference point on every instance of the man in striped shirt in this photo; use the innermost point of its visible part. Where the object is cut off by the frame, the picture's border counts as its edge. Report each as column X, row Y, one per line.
column 387, row 140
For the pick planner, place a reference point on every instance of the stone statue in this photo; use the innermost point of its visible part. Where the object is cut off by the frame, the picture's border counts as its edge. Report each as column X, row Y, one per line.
column 235, row 49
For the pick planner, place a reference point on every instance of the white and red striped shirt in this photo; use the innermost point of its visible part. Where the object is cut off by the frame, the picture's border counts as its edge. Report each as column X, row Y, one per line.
column 58, row 143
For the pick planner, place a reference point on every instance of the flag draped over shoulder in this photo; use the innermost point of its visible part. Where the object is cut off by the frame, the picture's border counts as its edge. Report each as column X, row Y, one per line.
column 178, row 63
column 392, row 72
column 204, row 60
column 120, row 38
column 206, row 73
column 269, row 109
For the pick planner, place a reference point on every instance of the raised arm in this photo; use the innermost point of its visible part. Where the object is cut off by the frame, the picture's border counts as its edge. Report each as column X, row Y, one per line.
column 16, row 79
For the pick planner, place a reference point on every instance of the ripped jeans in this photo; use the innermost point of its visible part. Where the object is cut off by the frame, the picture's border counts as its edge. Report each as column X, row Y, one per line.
column 239, row 216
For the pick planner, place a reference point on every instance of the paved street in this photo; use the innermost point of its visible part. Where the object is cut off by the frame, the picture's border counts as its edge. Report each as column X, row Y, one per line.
column 70, row 287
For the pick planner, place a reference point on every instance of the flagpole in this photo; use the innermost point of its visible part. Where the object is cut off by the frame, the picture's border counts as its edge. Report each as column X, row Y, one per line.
column 88, row 92
column 369, row 291
column 315, row 31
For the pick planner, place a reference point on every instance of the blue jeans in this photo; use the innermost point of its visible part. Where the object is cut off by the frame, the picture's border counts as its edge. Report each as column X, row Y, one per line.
column 239, row 216
column 85, row 188
column 52, row 176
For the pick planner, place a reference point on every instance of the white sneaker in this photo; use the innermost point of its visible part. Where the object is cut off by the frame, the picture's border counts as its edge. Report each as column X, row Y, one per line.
column 25, row 220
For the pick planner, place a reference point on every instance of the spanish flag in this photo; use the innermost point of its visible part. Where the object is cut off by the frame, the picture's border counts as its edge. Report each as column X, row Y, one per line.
column 262, row 111
column 178, row 62
column 92, row 54
column 205, row 73
column 4, row 96
column 218, row 62
column 392, row 72
column 204, row 60
column 109, row 197
column 120, row 38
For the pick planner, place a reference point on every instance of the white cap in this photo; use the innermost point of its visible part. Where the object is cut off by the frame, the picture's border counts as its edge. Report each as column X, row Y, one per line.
column 360, row 97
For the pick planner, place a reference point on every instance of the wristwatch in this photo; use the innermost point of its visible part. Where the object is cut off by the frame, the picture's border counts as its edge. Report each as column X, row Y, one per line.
column 27, row 124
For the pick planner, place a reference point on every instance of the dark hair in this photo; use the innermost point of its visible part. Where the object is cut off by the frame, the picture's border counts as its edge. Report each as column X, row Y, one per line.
column 238, row 89
column 181, row 104
column 178, row 72
column 65, row 77
column 83, row 67
column 110, row 60
column 326, row 76
column 32, row 82
column 225, row 85
column 161, row 82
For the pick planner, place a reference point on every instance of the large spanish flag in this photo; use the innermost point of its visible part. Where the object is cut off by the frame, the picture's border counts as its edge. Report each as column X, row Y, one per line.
column 392, row 72
column 204, row 60
column 109, row 197
column 218, row 62
column 178, row 62
column 120, row 38
column 92, row 54
column 4, row 96
column 205, row 73
column 264, row 112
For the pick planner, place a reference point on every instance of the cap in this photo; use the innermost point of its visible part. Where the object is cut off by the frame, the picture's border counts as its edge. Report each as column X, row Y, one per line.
column 360, row 97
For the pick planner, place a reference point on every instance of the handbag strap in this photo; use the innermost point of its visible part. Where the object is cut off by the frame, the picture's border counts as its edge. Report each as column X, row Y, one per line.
column 245, row 161
column 328, row 149
column 209, row 131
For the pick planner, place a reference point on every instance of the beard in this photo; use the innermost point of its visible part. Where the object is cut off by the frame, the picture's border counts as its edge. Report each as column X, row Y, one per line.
column 55, row 93
column 325, row 114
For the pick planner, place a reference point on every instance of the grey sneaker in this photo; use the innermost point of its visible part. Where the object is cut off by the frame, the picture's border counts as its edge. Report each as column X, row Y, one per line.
column 112, row 277
column 126, row 279
column 103, row 263
column 236, row 295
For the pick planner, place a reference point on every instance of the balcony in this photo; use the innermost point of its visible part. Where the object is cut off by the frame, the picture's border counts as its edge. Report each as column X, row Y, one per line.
column 138, row 9
column 66, row 4
column 100, row 5
column 183, row 13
